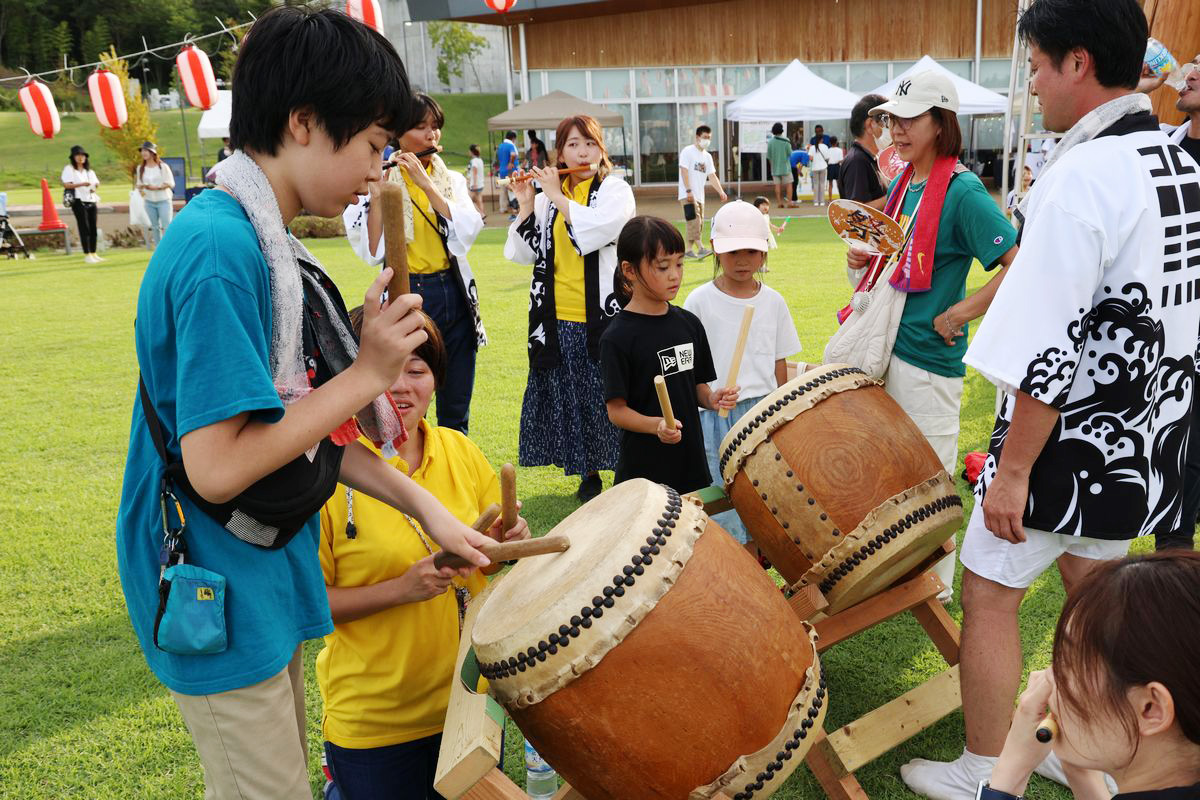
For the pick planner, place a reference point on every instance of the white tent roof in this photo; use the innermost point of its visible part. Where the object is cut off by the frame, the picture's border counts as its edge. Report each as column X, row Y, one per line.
column 797, row 93
column 972, row 98
column 214, row 123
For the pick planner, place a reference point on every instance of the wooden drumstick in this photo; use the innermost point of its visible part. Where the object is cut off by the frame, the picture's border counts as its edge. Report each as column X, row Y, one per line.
column 394, row 244
column 507, row 551
column 738, row 349
column 508, row 495
column 1047, row 729
column 664, row 401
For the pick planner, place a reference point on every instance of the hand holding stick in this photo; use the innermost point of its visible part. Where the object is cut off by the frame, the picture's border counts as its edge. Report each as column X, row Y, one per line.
column 1047, row 729
column 738, row 349
column 664, row 402
column 507, row 551
column 394, row 243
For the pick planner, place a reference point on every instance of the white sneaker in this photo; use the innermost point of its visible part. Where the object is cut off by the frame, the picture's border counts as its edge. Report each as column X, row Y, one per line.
column 1051, row 769
column 88, row 258
column 948, row 780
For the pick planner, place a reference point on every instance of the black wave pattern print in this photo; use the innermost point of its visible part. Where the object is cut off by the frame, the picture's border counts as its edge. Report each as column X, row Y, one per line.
column 1112, row 466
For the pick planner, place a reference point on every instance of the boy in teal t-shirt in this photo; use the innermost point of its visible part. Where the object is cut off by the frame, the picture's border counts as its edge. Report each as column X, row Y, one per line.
column 309, row 131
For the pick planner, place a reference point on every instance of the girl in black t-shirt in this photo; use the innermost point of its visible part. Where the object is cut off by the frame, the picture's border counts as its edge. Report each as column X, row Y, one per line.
column 651, row 337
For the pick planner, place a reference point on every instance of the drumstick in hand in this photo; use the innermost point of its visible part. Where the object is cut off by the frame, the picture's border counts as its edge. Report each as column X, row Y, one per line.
column 507, row 551
column 738, row 349
column 1047, row 729
column 508, row 495
column 395, row 246
column 664, row 401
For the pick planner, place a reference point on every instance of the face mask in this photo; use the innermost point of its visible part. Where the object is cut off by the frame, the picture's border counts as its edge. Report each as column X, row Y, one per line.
column 703, row 143
column 884, row 139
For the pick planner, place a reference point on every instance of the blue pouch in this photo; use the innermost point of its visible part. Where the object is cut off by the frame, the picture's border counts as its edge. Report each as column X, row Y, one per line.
column 191, row 611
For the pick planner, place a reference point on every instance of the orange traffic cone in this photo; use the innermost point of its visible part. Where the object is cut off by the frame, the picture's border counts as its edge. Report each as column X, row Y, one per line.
column 50, row 220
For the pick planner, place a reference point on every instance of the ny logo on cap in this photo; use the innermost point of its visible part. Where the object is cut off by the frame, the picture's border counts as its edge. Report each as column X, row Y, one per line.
column 902, row 89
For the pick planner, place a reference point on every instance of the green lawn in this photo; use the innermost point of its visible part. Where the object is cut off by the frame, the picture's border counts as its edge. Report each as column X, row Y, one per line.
column 25, row 159
column 82, row 715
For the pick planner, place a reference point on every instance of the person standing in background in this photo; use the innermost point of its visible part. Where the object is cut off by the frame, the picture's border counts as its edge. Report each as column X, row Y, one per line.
column 858, row 176
column 696, row 169
column 779, row 159
column 155, row 181
column 506, row 162
column 81, row 183
column 836, row 154
column 475, row 180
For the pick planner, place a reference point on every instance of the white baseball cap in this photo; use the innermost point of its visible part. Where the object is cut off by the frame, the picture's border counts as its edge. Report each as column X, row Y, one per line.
column 739, row 226
column 916, row 95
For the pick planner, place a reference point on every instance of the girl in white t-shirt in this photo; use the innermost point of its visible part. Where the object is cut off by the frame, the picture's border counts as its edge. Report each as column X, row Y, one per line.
column 81, row 181
column 475, row 180
column 740, row 241
column 156, row 183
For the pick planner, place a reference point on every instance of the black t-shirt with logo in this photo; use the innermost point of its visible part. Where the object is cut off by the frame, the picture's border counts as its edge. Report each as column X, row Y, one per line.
column 634, row 349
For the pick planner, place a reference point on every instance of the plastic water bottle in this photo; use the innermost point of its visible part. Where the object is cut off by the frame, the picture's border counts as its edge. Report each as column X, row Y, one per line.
column 1160, row 62
column 541, row 781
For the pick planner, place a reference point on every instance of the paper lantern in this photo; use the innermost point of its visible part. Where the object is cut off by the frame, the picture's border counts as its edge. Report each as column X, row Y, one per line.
column 107, row 98
column 367, row 12
column 39, row 107
column 196, row 75
column 500, row 6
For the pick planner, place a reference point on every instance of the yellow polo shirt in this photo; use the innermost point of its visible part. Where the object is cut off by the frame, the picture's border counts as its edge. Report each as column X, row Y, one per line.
column 426, row 254
column 385, row 679
column 570, row 303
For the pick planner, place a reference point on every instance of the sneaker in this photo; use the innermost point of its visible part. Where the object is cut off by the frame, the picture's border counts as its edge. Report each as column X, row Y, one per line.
column 589, row 488
column 704, row 253
column 948, row 780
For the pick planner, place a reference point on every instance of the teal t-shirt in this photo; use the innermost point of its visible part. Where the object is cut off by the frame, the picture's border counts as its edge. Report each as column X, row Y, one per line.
column 779, row 153
column 972, row 228
column 202, row 337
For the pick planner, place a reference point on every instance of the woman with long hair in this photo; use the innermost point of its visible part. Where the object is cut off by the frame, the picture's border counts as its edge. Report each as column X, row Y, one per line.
column 568, row 232
column 155, row 181
column 81, row 183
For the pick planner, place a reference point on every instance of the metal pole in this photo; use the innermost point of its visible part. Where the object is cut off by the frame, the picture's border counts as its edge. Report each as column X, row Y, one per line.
column 524, row 65
column 1008, row 120
column 508, row 87
column 187, row 151
column 978, row 64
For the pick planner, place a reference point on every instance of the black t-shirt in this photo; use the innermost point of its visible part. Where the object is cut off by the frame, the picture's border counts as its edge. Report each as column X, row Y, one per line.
column 1191, row 147
column 634, row 349
column 859, row 177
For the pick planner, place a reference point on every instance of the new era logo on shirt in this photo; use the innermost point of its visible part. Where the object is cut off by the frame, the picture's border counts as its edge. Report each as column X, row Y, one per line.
column 676, row 359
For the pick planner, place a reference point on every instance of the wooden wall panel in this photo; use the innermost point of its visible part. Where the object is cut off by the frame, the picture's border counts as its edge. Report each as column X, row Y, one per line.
column 772, row 31
column 1175, row 23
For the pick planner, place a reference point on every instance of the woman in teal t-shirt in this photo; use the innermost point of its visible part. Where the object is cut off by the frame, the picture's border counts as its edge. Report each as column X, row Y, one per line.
column 925, row 375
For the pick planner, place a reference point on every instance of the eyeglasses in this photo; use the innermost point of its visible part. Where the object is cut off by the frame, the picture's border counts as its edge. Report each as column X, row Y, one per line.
column 899, row 123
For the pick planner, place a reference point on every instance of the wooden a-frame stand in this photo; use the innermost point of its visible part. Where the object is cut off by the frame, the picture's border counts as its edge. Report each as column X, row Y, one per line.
column 467, row 762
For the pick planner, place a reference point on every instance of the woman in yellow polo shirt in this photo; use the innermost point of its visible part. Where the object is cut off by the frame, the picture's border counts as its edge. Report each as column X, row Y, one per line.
column 440, row 225
column 386, row 669
column 568, row 232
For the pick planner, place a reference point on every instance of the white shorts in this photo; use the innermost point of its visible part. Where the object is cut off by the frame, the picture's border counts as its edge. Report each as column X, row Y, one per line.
column 1017, row 566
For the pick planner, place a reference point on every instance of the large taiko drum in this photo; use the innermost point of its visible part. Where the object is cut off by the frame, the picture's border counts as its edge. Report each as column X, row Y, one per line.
column 837, row 485
column 654, row 658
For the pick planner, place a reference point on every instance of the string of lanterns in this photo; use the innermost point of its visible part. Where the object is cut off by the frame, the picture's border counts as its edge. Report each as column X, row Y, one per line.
column 195, row 73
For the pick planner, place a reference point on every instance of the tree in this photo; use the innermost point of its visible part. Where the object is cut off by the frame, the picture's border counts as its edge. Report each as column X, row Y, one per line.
column 455, row 43
column 126, row 141
column 96, row 40
column 57, row 43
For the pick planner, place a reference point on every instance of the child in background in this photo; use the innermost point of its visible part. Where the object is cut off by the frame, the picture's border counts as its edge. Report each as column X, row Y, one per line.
column 764, row 205
column 475, row 179
column 651, row 337
column 740, row 242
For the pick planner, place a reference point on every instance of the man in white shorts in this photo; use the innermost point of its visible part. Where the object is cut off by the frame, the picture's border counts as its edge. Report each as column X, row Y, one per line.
column 1092, row 337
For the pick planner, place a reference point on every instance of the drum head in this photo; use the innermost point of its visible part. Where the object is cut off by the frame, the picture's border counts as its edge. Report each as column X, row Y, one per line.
column 553, row 617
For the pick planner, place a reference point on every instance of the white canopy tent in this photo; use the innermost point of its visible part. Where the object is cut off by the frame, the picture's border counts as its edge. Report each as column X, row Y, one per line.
column 214, row 123
column 797, row 93
column 972, row 98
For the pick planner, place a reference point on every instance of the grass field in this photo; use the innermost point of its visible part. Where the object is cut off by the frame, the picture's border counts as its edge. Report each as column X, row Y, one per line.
column 25, row 159
column 82, row 717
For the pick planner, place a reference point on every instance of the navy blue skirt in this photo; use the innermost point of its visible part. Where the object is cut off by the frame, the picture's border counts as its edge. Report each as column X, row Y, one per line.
column 564, row 422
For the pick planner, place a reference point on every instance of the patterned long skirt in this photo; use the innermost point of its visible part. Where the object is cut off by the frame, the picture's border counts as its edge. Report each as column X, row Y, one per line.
column 564, row 422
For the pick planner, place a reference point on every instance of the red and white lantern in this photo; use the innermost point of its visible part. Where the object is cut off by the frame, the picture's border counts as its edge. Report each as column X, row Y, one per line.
column 367, row 12
column 500, row 6
column 39, row 107
column 196, row 75
column 107, row 98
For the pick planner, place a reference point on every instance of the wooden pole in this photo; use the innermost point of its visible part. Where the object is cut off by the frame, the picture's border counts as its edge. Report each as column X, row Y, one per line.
column 664, row 401
column 394, row 243
column 508, row 495
column 507, row 551
column 738, row 350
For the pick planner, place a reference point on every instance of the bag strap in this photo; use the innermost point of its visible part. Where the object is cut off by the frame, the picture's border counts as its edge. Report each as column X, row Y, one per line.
column 152, row 422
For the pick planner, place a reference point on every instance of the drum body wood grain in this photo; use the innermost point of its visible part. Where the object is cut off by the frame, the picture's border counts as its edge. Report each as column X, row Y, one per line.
column 654, row 659
column 837, row 485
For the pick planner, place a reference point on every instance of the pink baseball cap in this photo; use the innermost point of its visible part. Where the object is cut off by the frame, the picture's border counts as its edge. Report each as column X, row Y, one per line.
column 739, row 226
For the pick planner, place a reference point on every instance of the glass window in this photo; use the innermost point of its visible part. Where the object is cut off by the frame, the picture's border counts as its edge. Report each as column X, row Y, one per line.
column 960, row 68
column 774, row 70
column 571, row 81
column 617, row 140
column 692, row 116
column 740, row 80
column 655, row 82
column 865, row 77
column 994, row 72
column 658, row 135
column 697, row 82
column 535, row 83
column 899, row 67
column 610, row 84
column 989, row 132
column 834, row 73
